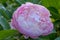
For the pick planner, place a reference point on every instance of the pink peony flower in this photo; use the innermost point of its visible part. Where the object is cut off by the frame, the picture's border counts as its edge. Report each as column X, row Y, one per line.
column 32, row 20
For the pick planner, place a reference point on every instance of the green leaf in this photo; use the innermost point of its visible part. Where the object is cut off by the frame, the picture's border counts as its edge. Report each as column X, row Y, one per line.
column 51, row 36
column 33, row 1
column 22, row 38
column 58, row 38
column 42, row 39
column 54, row 12
column 4, row 12
column 53, row 3
column 1, row 28
column 4, row 23
column 53, row 9
column 57, row 24
column 20, row 1
column 24, row 1
column 3, row 1
column 11, row 8
column 7, row 33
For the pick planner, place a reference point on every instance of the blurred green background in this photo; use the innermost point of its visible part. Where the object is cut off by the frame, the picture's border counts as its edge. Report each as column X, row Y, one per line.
column 7, row 7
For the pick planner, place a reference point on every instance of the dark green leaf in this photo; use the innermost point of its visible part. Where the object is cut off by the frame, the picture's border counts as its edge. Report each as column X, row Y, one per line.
column 1, row 28
column 33, row 1
column 52, row 36
column 4, row 23
column 57, row 24
column 20, row 1
column 4, row 12
column 54, row 12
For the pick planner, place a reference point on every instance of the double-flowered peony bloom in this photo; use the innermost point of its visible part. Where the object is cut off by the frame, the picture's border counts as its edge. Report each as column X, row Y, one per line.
column 32, row 20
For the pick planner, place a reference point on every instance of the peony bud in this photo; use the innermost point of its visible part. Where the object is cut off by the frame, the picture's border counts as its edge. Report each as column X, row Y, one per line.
column 32, row 20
